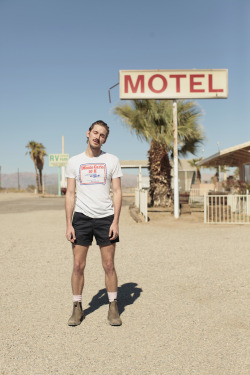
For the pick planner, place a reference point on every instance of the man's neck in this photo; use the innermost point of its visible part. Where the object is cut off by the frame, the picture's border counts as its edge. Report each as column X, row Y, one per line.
column 92, row 152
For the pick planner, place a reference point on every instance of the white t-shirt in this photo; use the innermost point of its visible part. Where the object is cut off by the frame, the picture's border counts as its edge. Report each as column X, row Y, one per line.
column 93, row 178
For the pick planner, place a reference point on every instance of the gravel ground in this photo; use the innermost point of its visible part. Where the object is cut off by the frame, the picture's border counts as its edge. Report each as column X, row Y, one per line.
column 183, row 297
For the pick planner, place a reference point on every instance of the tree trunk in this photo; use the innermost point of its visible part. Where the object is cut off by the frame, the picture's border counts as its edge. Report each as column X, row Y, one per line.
column 40, row 168
column 40, row 181
column 160, row 175
column 37, row 178
column 198, row 176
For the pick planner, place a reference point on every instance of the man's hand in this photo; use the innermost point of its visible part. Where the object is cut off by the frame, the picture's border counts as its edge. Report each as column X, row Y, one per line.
column 113, row 231
column 70, row 234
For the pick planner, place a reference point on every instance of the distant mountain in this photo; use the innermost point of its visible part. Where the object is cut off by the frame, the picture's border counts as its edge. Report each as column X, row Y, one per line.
column 29, row 178
column 25, row 179
column 129, row 180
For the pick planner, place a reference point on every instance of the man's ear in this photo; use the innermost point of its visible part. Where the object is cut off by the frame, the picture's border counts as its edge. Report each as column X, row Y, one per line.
column 87, row 133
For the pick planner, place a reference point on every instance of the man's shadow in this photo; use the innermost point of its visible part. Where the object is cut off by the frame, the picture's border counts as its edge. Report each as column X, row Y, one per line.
column 127, row 294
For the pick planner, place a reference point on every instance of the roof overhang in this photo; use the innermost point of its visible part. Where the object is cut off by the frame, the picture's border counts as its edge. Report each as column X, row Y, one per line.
column 231, row 157
column 134, row 163
column 182, row 166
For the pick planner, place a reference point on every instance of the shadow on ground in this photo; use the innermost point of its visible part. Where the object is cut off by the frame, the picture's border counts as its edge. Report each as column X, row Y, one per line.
column 127, row 295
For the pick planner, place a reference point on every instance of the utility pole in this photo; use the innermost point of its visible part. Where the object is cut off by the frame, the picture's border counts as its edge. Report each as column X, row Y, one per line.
column 44, row 184
column 18, row 180
column 63, row 184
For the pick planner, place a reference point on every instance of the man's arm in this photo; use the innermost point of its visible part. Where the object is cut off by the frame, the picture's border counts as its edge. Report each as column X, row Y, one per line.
column 69, row 208
column 117, row 201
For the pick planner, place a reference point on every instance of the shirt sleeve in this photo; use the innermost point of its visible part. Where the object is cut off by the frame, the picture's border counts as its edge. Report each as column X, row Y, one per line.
column 70, row 170
column 117, row 171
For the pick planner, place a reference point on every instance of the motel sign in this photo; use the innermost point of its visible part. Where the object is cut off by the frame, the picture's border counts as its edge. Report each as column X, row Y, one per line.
column 174, row 84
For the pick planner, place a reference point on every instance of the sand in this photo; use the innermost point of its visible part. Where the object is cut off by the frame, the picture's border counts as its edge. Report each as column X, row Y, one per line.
column 183, row 296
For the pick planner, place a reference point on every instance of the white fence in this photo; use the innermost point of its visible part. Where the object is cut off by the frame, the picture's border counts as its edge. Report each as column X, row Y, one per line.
column 227, row 209
column 141, row 202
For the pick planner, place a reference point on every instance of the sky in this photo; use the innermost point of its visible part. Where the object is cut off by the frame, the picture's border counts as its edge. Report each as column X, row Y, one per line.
column 58, row 58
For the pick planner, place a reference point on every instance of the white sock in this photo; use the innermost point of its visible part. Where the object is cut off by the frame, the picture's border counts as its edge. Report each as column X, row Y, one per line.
column 77, row 298
column 112, row 296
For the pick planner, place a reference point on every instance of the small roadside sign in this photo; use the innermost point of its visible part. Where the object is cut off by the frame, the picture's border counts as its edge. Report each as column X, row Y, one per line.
column 58, row 160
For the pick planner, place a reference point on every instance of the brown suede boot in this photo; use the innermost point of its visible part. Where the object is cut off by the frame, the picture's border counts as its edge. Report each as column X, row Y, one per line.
column 77, row 314
column 113, row 314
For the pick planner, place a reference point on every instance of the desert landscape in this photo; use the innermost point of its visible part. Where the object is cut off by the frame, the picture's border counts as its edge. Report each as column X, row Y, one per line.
column 183, row 296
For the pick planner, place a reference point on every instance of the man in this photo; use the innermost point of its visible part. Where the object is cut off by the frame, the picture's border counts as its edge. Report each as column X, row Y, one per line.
column 91, row 174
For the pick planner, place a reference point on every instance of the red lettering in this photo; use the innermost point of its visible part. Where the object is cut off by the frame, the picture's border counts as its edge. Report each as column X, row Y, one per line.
column 210, row 85
column 178, row 80
column 193, row 83
column 134, row 88
column 164, row 83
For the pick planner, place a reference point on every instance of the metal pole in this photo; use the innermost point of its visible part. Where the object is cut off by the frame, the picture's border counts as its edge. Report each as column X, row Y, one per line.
column 59, row 181
column 63, row 182
column 218, row 144
column 176, row 185
column 44, row 184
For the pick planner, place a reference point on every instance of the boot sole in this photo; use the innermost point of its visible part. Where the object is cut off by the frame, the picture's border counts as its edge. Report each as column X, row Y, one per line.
column 114, row 325
column 76, row 324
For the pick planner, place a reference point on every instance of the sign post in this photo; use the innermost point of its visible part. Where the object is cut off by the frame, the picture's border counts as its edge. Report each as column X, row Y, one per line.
column 174, row 84
column 176, row 187
column 58, row 160
column 63, row 180
column 59, row 181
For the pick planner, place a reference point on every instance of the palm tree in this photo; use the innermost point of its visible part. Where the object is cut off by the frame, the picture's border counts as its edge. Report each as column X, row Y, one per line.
column 152, row 120
column 193, row 163
column 37, row 153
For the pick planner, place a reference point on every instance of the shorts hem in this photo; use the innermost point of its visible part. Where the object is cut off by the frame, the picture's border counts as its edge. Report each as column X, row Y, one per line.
column 81, row 244
column 107, row 243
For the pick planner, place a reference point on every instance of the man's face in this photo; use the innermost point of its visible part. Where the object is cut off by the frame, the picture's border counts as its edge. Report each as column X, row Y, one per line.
column 97, row 136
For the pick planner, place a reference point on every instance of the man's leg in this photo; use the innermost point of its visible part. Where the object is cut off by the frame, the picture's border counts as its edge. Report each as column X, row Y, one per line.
column 108, row 255
column 77, row 279
column 77, row 282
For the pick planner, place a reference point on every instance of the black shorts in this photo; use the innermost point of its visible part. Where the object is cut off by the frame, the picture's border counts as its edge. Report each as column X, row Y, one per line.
column 86, row 227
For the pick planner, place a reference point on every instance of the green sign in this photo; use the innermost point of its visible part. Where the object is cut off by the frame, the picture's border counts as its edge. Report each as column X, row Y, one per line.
column 58, row 160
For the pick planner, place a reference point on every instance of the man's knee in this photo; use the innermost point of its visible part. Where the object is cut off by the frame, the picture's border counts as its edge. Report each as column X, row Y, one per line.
column 78, row 267
column 108, row 266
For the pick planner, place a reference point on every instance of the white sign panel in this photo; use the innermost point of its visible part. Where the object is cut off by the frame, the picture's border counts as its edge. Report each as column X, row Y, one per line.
column 173, row 84
column 58, row 160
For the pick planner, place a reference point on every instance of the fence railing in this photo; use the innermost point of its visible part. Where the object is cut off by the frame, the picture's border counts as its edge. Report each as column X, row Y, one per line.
column 227, row 209
column 141, row 202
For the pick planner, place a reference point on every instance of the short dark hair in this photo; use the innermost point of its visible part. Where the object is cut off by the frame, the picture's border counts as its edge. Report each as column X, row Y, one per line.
column 102, row 123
